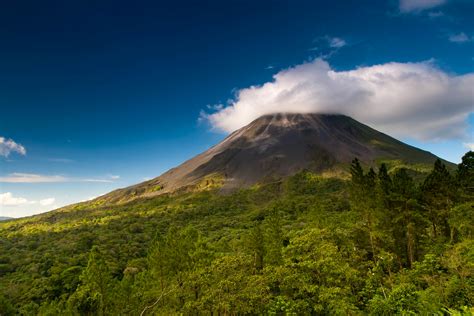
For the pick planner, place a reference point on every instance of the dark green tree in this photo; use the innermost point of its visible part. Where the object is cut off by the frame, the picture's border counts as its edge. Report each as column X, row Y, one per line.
column 465, row 176
column 364, row 201
column 93, row 295
column 357, row 174
column 273, row 238
column 6, row 307
column 407, row 222
column 256, row 245
column 438, row 195
column 384, row 184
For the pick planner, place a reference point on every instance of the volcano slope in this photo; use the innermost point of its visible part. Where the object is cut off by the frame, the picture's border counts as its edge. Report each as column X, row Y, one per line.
column 251, row 227
column 279, row 145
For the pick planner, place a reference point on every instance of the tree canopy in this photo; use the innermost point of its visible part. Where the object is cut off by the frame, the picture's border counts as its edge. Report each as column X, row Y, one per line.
column 381, row 243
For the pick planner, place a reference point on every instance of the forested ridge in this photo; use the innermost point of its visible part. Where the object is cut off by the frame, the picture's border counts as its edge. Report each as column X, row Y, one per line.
column 382, row 243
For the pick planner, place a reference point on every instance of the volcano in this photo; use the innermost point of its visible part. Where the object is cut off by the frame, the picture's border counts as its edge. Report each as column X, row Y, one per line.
column 279, row 145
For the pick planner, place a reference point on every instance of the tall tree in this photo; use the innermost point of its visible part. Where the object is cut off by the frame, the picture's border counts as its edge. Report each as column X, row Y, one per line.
column 465, row 176
column 256, row 245
column 384, row 184
column 438, row 194
column 273, row 238
column 407, row 223
column 383, row 190
column 364, row 201
column 92, row 297
column 357, row 174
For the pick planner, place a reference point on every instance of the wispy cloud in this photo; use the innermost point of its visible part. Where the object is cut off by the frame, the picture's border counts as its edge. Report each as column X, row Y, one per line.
column 108, row 179
column 7, row 146
column 40, row 178
column 459, row 38
column 435, row 14
column 32, row 178
column 402, row 99
column 414, row 6
column 62, row 160
column 469, row 146
column 327, row 46
column 336, row 42
column 327, row 41
column 97, row 180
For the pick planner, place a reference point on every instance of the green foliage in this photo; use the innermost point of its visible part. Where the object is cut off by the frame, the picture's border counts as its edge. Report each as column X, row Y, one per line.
column 384, row 243
column 438, row 195
column 465, row 174
column 402, row 299
column 92, row 296
column 6, row 307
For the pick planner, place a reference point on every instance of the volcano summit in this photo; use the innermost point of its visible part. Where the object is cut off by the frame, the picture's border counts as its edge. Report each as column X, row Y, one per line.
column 279, row 145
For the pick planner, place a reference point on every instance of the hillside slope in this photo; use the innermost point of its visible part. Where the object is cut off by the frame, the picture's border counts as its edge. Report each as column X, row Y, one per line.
column 305, row 245
column 276, row 146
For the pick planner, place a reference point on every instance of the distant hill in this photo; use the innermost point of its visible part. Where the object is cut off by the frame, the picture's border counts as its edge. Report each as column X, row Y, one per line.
column 4, row 218
column 275, row 146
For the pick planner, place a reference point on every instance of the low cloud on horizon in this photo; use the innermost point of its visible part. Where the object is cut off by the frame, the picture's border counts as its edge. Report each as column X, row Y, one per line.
column 18, row 177
column 8, row 199
column 414, row 100
column 15, row 206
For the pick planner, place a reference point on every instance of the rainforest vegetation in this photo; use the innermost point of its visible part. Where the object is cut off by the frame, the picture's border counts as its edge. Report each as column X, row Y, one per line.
column 384, row 241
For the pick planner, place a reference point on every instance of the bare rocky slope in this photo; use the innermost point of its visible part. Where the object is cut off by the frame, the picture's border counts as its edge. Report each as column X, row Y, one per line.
column 279, row 145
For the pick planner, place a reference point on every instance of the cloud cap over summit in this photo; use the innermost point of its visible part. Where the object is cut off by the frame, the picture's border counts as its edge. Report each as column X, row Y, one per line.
column 416, row 100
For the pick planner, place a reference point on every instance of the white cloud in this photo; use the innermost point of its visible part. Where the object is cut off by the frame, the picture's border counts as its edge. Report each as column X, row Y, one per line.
column 62, row 160
column 469, row 146
column 97, row 180
column 31, row 178
column 418, row 5
column 90, row 198
column 325, row 42
column 48, row 201
column 109, row 179
column 18, row 177
column 14, row 206
column 336, row 42
column 7, row 199
column 415, row 100
column 459, row 38
column 8, row 146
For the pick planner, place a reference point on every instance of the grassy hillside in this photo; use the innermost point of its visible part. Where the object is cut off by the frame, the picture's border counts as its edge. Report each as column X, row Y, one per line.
column 305, row 245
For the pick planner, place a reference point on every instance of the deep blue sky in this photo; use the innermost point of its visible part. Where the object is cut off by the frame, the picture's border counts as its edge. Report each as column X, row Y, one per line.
column 96, row 89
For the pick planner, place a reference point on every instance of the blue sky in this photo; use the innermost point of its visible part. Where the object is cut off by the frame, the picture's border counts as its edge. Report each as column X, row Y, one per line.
column 98, row 95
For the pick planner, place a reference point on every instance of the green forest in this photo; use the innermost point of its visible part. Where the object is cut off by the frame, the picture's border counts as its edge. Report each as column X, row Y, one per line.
column 383, row 241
